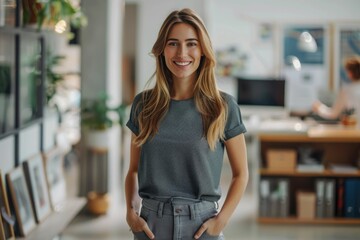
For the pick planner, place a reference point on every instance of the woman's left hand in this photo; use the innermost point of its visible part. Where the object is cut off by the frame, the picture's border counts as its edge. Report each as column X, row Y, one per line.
column 213, row 227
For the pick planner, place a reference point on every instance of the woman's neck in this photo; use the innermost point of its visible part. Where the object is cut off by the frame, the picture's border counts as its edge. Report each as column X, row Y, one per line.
column 182, row 90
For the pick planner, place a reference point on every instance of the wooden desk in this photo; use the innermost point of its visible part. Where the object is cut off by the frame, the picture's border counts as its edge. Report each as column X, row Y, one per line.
column 335, row 132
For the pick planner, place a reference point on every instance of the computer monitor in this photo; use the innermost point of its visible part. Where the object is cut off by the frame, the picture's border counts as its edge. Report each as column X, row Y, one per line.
column 261, row 96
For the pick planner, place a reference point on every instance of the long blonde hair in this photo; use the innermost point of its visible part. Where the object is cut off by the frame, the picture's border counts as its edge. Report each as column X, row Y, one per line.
column 209, row 102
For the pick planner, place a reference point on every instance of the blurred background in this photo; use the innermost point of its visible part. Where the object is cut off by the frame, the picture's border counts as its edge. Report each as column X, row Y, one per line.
column 69, row 70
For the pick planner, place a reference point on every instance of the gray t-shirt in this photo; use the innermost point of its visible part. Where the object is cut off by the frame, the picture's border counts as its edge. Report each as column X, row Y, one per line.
column 178, row 161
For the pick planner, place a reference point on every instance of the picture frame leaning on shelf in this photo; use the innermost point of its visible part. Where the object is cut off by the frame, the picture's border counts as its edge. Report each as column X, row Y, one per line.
column 21, row 201
column 6, row 221
column 54, row 170
column 38, row 187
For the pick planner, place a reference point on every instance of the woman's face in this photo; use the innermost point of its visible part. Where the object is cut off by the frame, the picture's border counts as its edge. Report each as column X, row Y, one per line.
column 183, row 52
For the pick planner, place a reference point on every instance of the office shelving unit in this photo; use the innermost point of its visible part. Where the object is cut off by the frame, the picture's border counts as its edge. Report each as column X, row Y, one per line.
column 339, row 145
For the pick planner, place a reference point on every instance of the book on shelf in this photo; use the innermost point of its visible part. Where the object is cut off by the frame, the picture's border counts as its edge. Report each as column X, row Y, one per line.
column 320, row 193
column 264, row 197
column 325, row 198
column 349, row 198
column 329, row 211
column 357, row 194
column 340, row 198
column 343, row 168
column 283, row 190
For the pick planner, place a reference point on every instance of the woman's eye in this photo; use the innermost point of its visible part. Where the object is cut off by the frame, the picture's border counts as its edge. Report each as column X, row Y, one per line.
column 172, row 43
column 192, row 44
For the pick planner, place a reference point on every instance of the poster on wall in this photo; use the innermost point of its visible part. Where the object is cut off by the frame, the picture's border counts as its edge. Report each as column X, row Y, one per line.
column 305, row 64
column 305, row 43
column 347, row 44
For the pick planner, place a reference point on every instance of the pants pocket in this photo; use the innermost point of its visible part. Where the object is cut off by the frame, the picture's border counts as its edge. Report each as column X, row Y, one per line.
column 140, row 236
column 206, row 236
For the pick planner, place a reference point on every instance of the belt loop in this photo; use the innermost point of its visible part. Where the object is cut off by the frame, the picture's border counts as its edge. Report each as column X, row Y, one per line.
column 160, row 209
column 192, row 211
column 216, row 205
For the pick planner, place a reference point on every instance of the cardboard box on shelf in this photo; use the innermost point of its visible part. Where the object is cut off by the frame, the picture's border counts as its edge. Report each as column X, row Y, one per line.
column 281, row 159
column 306, row 204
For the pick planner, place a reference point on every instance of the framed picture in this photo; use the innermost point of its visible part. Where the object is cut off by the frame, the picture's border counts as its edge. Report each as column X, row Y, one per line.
column 347, row 44
column 54, row 168
column 305, row 63
column 7, row 231
column 35, row 175
column 21, row 201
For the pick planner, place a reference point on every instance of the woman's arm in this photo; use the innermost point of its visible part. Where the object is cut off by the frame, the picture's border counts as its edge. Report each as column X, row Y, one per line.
column 136, row 223
column 236, row 151
column 326, row 112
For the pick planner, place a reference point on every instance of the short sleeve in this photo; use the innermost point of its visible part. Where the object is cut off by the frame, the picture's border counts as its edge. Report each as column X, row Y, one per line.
column 234, row 124
column 133, row 122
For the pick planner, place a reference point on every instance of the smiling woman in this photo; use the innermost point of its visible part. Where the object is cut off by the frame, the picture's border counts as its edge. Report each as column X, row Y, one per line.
column 181, row 128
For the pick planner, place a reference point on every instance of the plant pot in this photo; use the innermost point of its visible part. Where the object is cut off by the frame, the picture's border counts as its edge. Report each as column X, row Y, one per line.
column 98, row 203
column 97, row 138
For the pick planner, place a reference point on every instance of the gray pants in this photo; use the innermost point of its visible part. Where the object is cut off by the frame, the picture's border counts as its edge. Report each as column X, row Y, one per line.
column 176, row 221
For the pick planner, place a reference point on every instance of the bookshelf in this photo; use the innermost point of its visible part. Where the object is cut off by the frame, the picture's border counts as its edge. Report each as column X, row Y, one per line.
column 279, row 187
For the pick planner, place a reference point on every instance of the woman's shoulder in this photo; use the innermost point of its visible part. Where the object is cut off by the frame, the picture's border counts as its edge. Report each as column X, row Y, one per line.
column 140, row 97
column 228, row 98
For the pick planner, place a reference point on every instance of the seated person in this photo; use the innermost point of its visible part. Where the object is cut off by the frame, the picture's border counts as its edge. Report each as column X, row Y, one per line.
column 348, row 98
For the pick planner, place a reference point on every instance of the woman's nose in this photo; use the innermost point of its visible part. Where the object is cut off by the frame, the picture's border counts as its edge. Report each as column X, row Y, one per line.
column 181, row 51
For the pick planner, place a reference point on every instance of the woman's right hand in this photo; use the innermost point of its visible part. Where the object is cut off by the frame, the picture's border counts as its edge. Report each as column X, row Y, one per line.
column 138, row 224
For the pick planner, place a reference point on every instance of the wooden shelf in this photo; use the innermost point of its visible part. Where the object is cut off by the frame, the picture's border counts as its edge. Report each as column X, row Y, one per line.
column 54, row 224
column 295, row 220
column 325, row 173
column 319, row 133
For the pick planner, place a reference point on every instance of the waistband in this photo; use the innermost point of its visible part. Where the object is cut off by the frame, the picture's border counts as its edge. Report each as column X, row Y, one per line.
column 181, row 208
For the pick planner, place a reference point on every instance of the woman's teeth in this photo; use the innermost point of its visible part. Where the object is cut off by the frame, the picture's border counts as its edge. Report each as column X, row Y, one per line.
column 182, row 63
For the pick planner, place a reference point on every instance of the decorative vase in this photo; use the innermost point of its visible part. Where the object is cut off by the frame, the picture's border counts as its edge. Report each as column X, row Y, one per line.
column 97, row 203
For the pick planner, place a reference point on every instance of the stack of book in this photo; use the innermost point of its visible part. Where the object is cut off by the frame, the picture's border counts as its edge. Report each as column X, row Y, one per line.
column 343, row 168
column 274, row 197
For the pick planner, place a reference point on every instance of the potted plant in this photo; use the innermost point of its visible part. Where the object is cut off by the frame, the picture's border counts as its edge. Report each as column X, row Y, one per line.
column 97, row 117
column 51, row 12
column 53, row 78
